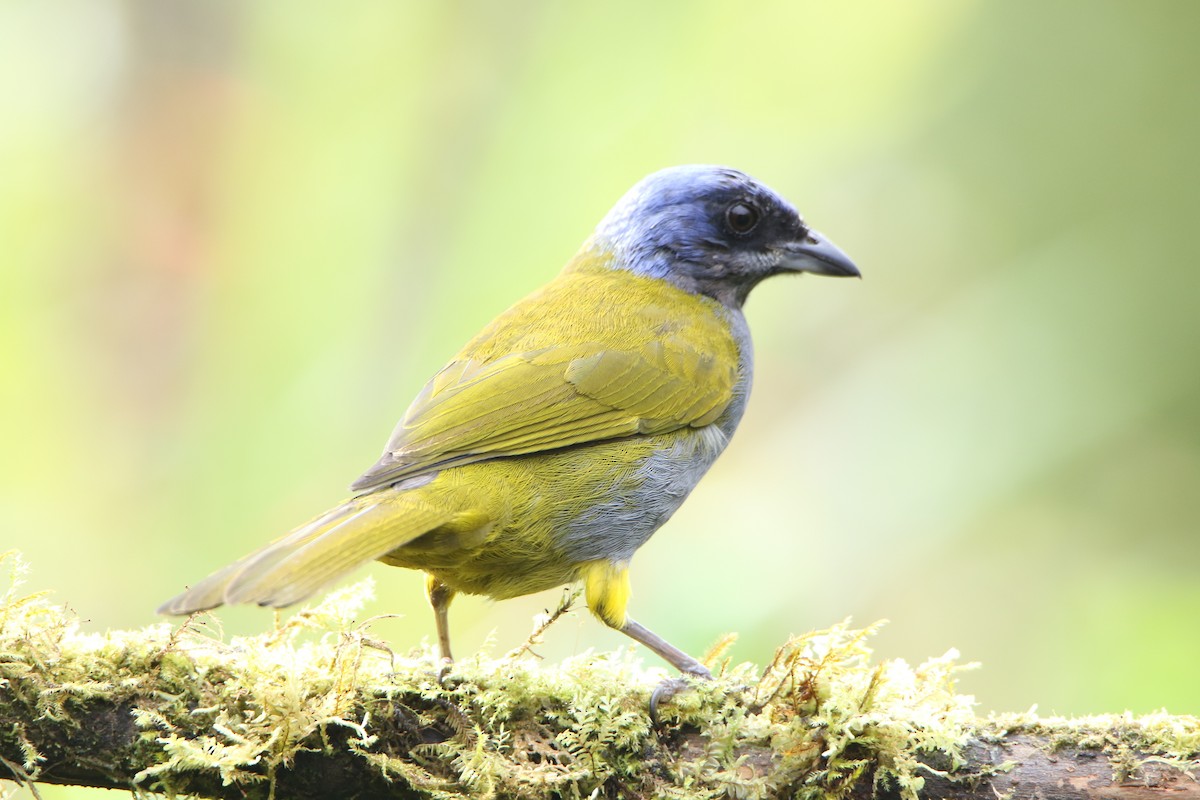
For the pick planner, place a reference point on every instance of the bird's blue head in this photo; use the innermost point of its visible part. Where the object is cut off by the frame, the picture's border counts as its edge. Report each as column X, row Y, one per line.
column 714, row 231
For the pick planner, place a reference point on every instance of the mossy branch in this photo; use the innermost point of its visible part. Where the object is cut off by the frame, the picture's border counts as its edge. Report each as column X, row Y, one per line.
column 317, row 709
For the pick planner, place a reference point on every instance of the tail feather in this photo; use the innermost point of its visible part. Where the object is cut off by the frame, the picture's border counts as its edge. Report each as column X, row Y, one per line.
column 319, row 552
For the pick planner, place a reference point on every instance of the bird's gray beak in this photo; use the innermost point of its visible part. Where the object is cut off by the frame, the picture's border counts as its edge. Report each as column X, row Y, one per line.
column 817, row 255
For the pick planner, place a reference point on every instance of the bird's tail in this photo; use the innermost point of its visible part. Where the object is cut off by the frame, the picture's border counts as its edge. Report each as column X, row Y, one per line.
column 295, row 566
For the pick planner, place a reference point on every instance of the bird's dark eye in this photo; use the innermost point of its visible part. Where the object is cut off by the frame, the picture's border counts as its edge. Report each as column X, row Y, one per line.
column 741, row 217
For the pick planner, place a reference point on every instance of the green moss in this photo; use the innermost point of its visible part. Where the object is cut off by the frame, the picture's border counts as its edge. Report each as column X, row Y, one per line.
column 821, row 717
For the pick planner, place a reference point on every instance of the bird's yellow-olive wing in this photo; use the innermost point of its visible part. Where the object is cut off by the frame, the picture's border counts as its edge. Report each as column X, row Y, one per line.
column 635, row 356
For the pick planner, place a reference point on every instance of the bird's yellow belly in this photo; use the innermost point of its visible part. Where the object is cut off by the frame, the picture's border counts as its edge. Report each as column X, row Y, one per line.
column 530, row 522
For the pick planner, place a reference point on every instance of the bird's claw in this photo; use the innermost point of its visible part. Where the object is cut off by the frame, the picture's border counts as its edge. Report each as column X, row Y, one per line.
column 445, row 666
column 666, row 691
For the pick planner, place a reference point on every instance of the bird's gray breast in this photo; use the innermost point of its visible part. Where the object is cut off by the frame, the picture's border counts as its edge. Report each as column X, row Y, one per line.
column 647, row 495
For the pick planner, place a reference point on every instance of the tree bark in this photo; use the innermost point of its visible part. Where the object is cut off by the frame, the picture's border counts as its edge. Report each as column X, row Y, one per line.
column 104, row 751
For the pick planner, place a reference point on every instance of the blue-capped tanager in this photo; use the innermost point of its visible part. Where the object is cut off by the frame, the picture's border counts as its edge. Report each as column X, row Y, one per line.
column 571, row 428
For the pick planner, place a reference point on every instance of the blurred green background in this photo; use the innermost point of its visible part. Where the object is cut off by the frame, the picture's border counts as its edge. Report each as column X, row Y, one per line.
column 235, row 239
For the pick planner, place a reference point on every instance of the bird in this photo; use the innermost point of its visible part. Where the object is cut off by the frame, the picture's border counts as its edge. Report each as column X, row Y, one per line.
column 562, row 436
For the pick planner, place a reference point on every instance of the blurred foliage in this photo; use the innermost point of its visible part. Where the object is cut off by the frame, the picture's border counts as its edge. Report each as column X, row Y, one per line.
column 237, row 238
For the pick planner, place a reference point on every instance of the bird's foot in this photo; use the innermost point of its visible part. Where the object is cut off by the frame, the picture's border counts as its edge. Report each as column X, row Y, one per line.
column 669, row 688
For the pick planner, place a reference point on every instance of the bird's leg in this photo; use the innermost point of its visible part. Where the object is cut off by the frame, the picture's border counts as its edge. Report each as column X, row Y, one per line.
column 440, row 595
column 607, row 589
column 669, row 652
column 677, row 658
column 606, row 586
